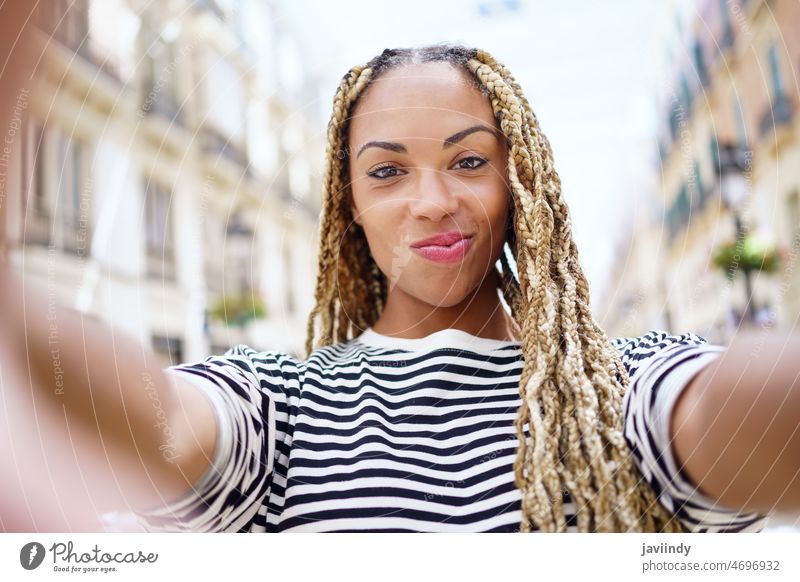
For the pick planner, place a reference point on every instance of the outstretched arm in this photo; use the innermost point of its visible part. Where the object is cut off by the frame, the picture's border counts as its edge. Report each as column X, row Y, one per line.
column 736, row 425
column 98, row 394
column 92, row 414
column 89, row 422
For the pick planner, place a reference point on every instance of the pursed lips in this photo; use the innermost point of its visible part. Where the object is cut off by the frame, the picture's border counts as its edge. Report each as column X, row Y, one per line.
column 447, row 248
column 445, row 239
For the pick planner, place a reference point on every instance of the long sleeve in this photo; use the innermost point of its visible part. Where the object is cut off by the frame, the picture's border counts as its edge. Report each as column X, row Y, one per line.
column 660, row 366
column 232, row 490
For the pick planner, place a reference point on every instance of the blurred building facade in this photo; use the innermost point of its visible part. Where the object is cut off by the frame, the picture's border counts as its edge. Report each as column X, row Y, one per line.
column 172, row 181
column 730, row 89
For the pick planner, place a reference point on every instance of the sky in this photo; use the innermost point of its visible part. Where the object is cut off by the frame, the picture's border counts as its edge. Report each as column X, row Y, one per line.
column 586, row 68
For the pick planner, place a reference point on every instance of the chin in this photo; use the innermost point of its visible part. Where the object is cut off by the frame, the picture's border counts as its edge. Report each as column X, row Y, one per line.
column 445, row 297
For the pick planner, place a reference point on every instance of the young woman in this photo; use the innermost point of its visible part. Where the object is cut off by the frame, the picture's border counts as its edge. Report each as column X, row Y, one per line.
column 422, row 404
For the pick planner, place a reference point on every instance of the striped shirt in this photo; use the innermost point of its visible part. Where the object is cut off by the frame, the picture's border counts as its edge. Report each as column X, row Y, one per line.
column 387, row 434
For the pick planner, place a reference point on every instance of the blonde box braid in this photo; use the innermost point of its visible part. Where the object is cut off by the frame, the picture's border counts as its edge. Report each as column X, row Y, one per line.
column 573, row 380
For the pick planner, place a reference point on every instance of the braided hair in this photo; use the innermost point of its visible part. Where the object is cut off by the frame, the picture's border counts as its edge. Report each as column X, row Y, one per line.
column 573, row 380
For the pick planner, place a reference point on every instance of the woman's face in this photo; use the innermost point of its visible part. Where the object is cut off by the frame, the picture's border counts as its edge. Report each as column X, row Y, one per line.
column 426, row 158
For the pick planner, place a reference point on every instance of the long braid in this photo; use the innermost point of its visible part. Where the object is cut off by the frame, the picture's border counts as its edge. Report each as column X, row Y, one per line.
column 331, row 226
column 572, row 381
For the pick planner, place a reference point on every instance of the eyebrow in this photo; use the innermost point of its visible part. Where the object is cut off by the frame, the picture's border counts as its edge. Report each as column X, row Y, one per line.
column 452, row 140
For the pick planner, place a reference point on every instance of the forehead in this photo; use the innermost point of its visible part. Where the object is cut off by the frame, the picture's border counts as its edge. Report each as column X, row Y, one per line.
column 420, row 100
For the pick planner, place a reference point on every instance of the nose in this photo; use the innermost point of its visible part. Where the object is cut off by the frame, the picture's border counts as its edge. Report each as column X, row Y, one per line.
column 435, row 197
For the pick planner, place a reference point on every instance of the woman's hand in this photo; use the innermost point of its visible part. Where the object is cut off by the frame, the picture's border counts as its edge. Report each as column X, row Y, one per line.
column 736, row 426
column 90, row 419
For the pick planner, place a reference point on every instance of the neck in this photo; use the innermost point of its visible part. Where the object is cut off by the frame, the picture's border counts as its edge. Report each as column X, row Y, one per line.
column 481, row 313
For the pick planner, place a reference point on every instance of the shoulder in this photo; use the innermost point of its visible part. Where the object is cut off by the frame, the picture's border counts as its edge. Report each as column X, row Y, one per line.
column 656, row 339
column 246, row 353
column 661, row 365
column 274, row 367
column 656, row 344
column 268, row 369
column 243, row 368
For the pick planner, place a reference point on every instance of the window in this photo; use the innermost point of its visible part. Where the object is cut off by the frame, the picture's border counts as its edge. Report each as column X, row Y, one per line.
column 160, row 60
column 290, row 288
column 679, row 212
column 700, row 64
column 741, row 128
column 169, row 350
column 70, row 153
column 214, row 238
column 222, row 111
column 684, row 208
column 36, row 210
column 779, row 112
column 674, row 120
column 714, row 146
column 793, row 214
column 238, row 245
column 57, row 213
column 775, row 71
column 686, row 95
column 698, row 193
column 159, row 232
column 67, row 21
column 727, row 29
column 33, row 170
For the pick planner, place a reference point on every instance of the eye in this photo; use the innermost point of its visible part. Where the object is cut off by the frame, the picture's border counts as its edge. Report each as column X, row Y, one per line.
column 384, row 172
column 473, row 163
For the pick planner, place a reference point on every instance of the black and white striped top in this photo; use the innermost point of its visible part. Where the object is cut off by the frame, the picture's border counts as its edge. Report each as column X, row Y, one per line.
column 385, row 434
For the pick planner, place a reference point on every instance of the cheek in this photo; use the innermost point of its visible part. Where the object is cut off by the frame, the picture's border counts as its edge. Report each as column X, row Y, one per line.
column 377, row 230
column 492, row 212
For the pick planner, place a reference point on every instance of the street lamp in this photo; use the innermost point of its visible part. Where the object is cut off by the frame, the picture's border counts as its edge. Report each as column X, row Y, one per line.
column 731, row 169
